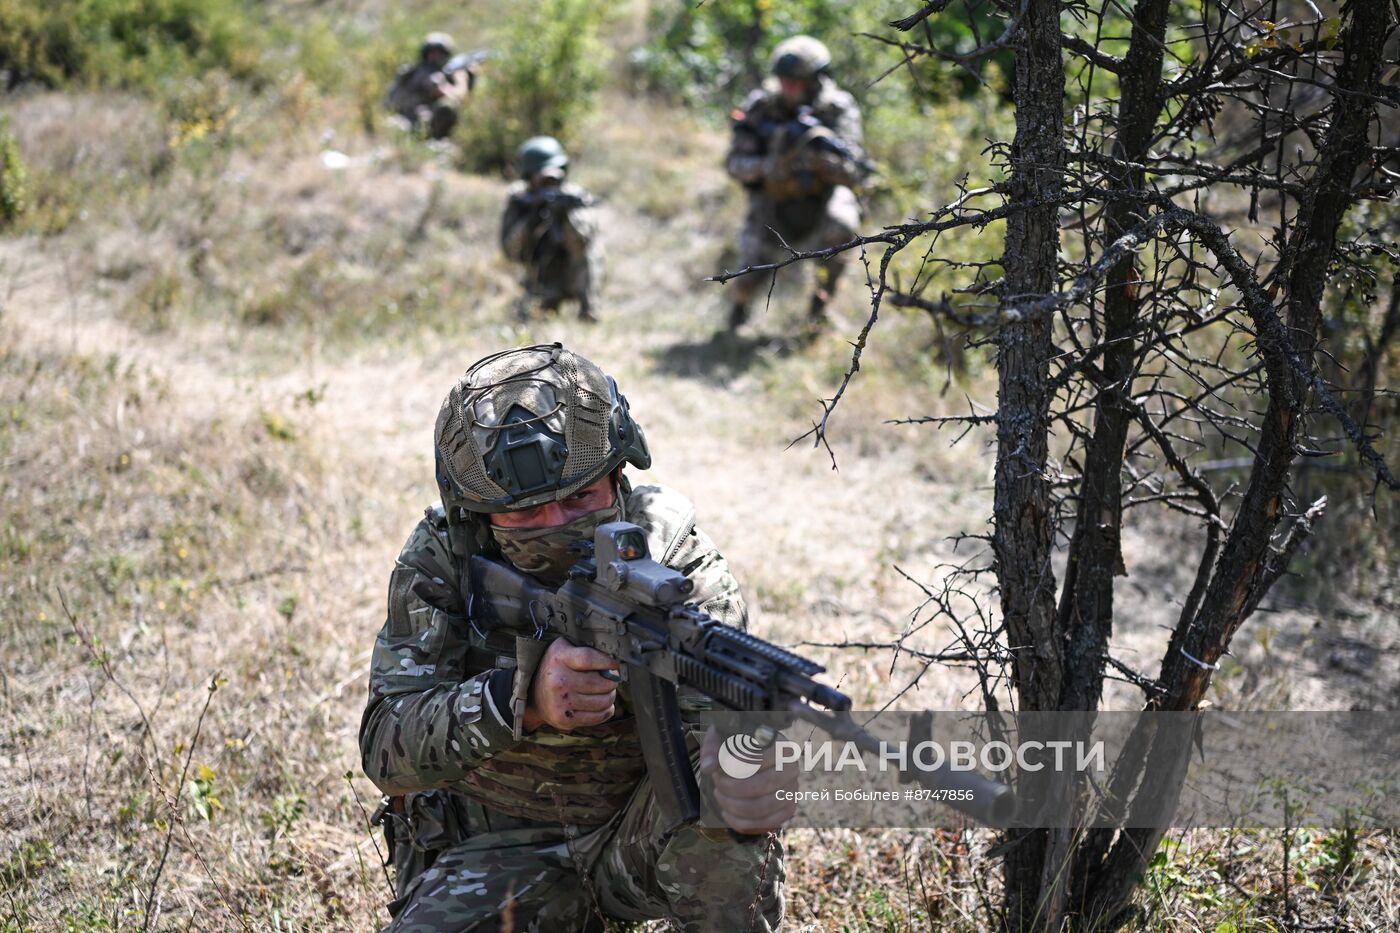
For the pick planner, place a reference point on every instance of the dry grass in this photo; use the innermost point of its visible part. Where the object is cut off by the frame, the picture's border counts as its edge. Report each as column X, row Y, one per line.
column 219, row 386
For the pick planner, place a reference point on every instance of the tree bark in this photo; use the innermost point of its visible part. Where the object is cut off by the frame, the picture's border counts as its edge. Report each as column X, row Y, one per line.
column 1024, row 525
column 1233, row 590
column 1095, row 555
column 1095, row 552
column 1247, row 565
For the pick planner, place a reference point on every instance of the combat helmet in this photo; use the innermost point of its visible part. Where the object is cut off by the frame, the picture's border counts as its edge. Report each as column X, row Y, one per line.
column 539, row 153
column 801, row 57
column 524, row 427
column 437, row 41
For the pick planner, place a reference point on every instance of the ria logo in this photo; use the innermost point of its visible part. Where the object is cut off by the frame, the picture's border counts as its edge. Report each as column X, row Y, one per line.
column 741, row 755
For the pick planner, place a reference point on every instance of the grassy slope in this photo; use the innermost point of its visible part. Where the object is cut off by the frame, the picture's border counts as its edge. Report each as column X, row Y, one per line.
column 219, row 384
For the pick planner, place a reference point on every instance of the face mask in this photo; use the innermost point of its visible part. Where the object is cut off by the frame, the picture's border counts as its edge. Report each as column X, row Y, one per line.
column 546, row 552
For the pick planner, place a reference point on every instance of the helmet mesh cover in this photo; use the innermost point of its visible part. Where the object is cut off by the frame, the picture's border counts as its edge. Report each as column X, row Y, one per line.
column 567, row 394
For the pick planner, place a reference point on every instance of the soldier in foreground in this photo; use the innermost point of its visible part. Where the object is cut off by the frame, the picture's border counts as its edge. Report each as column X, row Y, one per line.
column 518, row 794
column 429, row 94
column 550, row 228
column 796, row 148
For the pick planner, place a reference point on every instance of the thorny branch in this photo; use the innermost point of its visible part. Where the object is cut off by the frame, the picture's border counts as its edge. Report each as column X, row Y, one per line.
column 1210, row 157
column 1243, row 142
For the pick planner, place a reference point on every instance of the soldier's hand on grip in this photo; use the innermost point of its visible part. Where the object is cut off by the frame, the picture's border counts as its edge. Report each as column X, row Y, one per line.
column 569, row 691
column 777, row 166
column 753, row 805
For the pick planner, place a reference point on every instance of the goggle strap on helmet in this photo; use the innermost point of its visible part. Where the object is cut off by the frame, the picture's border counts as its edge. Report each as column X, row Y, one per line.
column 527, row 459
column 554, row 349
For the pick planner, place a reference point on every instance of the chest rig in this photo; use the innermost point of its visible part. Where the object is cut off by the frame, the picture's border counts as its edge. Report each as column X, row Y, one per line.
column 581, row 777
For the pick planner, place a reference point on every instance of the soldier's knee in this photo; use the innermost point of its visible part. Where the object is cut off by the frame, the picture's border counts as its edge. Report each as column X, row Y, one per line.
column 842, row 221
column 443, row 121
column 714, row 882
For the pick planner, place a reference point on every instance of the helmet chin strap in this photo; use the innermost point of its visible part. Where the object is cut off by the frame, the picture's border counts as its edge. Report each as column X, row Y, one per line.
column 622, row 488
column 463, row 535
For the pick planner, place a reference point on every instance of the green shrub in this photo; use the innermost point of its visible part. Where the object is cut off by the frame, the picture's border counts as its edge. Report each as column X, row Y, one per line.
column 36, row 44
column 544, row 78
column 713, row 53
column 131, row 43
column 14, row 180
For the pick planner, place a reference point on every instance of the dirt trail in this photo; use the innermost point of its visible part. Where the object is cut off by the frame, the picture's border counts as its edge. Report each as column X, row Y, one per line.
column 815, row 548
column 812, row 545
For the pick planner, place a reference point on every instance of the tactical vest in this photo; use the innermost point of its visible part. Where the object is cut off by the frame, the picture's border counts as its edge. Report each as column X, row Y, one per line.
column 582, row 777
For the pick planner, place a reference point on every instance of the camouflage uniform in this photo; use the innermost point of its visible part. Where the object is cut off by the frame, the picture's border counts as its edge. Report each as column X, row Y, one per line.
column 557, row 830
column 801, row 192
column 558, row 245
column 424, row 96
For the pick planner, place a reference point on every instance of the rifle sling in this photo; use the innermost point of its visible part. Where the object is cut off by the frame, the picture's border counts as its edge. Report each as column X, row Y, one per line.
column 528, row 652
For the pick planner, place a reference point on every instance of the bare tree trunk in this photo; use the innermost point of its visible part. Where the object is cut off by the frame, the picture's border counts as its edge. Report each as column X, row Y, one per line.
column 1243, row 571
column 1159, row 372
column 1248, row 566
column 1024, row 525
column 1095, row 552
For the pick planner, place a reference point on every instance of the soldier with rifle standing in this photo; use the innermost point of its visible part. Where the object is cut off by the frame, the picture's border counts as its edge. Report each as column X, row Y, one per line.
column 550, row 228
column 797, row 149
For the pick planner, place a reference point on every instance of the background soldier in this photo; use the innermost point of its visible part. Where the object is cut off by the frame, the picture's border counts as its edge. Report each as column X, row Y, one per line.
column 796, row 147
column 545, row 821
column 548, row 225
column 430, row 93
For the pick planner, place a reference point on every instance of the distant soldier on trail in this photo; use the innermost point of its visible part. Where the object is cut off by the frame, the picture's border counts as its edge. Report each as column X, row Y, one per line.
column 550, row 227
column 797, row 148
column 430, row 93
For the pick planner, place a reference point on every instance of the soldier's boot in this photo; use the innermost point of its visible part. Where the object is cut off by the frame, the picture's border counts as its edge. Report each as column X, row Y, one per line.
column 738, row 314
column 826, row 287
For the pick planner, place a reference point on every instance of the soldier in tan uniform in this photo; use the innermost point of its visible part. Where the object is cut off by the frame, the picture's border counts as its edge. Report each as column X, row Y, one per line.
column 429, row 94
column 549, row 226
column 797, row 148
column 539, row 815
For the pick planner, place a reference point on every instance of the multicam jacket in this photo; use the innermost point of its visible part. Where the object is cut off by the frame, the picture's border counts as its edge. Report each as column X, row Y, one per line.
column 422, row 85
column 753, row 142
column 557, row 241
column 439, row 715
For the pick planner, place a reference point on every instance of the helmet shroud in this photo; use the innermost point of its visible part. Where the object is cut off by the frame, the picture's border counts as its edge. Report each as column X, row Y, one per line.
column 437, row 41
column 539, row 153
column 528, row 426
column 801, row 57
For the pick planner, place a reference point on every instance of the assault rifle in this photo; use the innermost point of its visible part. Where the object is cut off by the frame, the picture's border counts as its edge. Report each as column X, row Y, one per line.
column 464, row 60
column 551, row 205
column 626, row 605
column 554, row 201
column 803, row 130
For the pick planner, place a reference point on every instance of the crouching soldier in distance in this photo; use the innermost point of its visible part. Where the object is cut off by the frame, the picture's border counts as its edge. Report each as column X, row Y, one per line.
column 550, row 227
column 519, row 794
column 797, row 148
column 428, row 95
